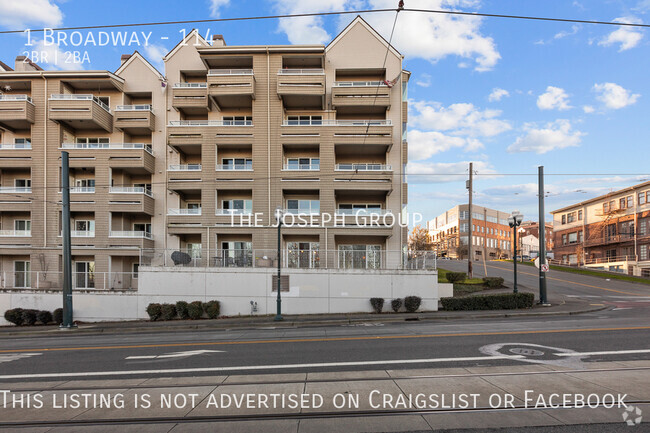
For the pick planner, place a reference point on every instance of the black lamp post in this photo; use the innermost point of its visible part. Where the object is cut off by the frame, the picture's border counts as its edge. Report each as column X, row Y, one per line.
column 279, row 213
column 514, row 221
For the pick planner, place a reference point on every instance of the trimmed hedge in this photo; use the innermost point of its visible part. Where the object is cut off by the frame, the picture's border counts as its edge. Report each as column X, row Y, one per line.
column 499, row 301
column 455, row 277
column 44, row 317
column 57, row 316
column 195, row 310
column 396, row 304
column 493, row 282
column 168, row 311
column 15, row 316
column 377, row 304
column 154, row 311
column 212, row 309
column 412, row 303
column 181, row 310
column 29, row 317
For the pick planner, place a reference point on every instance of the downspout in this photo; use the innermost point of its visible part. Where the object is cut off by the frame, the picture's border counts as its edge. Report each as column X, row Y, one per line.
column 45, row 166
column 268, row 128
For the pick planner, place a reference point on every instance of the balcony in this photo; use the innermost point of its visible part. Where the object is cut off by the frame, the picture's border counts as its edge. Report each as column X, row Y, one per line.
column 135, row 119
column 301, row 167
column 184, row 167
column 234, row 167
column 363, row 212
column 82, row 190
column 81, row 234
column 363, row 167
column 204, row 123
column 130, row 234
column 108, row 146
column 15, row 233
column 231, row 88
column 364, row 94
column 183, row 212
column 130, row 190
column 15, row 189
column 16, row 146
column 302, row 88
column 16, row 111
column 80, row 112
column 233, row 212
column 191, row 98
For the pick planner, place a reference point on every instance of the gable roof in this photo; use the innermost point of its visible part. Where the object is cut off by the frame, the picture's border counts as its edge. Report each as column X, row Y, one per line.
column 359, row 20
column 194, row 33
column 135, row 55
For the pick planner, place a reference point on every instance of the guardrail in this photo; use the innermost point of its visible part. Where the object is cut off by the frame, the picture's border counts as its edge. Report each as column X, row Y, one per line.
column 16, row 98
column 363, row 167
column 233, row 212
column 130, row 234
column 301, row 167
column 230, row 167
column 15, row 189
column 330, row 122
column 79, row 97
column 303, row 71
column 13, row 146
column 15, row 233
column 82, row 190
column 189, row 85
column 184, row 167
column 80, row 280
column 142, row 107
column 130, row 190
column 362, row 212
column 218, row 72
column 108, row 146
column 177, row 211
column 210, row 123
column 359, row 84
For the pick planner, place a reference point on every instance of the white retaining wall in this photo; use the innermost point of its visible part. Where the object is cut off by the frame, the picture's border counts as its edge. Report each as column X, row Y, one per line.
column 311, row 292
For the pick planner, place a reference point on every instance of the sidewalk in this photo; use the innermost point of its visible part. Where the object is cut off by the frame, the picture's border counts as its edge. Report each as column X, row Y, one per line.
column 559, row 307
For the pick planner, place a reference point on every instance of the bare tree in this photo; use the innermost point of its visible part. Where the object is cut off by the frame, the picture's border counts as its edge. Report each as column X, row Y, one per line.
column 419, row 239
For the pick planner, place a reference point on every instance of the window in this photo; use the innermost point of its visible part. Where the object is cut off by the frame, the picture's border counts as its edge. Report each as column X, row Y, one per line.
column 304, row 120
column 87, row 226
column 464, row 215
column 237, row 206
column 564, row 219
column 579, row 215
column 22, row 274
column 571, row 217
column 194, row 205
column 464, row 227
column 302, row 254
column 360, row 256
column 142, row 227
column 573, row 237
column 303, row 163
column 238, row 254
column 23, row 183
column 563, row 239
column 84, row 183
column 308, row 207
column 630, row 201
column 237, row 120
column 22, row 143
column 92, row 142
column 237, row 163
column 22, row 225
column 642, row 198
column 135, row 269
column 145, row 186
column 105, row 99
column 491, row 219
column 85, row 275
column 478, row 216
column 643, row 252
column 643, row 229
column 580, row 237
column 621, row 202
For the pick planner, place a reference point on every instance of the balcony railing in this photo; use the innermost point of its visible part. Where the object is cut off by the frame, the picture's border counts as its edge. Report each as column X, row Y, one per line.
column 302, row 167
column 138, row 234
column 80, row 97
column 233, row 211
column 82, row 190
column 190, row 85
column 331, row 122
column 108, row 146
column 363, row 167
column 359, row 84
column 235, row 167
column 130, row 190
column 16, row 98
column 142, row 107
column 363, row 212
column 184, row 167
column 301, row 211
column 210, row 123
column 305, row 71
column 230, row 72
column 176, row 211
column 15, row 233
column 15, row 189
column 14, row 146
column 82, row 234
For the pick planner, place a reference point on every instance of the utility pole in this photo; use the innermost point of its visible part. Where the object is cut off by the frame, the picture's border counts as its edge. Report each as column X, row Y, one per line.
column 542, row 238
column 67, row 254
column 485, row 241
column 470, row 185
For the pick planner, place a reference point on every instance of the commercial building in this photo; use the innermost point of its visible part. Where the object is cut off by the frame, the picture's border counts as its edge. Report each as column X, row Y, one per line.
column 190, row 166
column 491, row 234
column 610, row 232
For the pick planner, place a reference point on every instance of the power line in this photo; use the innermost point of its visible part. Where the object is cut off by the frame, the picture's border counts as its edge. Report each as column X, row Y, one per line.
column 367, row 11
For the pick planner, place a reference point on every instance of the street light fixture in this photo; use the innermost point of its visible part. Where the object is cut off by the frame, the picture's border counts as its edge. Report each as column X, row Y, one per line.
column 514, row 221
column 279, row 213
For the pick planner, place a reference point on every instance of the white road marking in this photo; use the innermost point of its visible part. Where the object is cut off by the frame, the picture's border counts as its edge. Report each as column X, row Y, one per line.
column 175, row 354
column 607, row 352
column 16, row 356
column 255, row 367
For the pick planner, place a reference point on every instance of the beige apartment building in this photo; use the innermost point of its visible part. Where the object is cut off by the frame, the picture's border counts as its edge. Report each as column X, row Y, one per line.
column 189, row 166
column 491, row 234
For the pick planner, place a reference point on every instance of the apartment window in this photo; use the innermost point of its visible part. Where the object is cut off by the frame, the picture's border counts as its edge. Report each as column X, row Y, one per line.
column 564, row 219
column 303, row 206
column 573, row 237
column 92, row 142
column 482, row 229
column 194, row 205
column 643, row 230
column 491, row 219
column 303, row 254
column 360, row 256
column 22, row 143
column 84, row 226
column 23, row 183
column 563, row 239
column 621, row 203
column 305, row 120
column 642, row 198
column 645, row 272
column 630, row 201
column 580, row 237
column 84, row 183
column 238, row 253
column 303, row 163
column 238, row 206
column 464, row 215
column 478, row 216
column 145, row 186
column 579, row 215
column 237, row 163
column 22, row 274
column 571, row 217
column 464, row 227
column 573, row 259
column 237, row 120
column 135, row 268
column 142, row 227
column 22, row 225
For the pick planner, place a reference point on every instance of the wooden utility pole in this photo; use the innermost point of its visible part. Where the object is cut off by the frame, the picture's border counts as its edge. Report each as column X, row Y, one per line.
column 485, row 241
column 470, row 250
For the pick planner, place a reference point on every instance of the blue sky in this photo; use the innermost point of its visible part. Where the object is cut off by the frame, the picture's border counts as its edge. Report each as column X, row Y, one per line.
column 507, row 94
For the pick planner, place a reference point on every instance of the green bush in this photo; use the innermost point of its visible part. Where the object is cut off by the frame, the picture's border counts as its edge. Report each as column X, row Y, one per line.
column 29, row 317
column 57, row 315
column 212, row 309
column 493, row 282
column 195, row 310
column 181, row 310
column 154, row 311
column 412, row 303
column 44, row 317
column 455, row 277
column 168, row 311
column 499, row 301
column 396, row 304
column 377, row 304
column 15, row 316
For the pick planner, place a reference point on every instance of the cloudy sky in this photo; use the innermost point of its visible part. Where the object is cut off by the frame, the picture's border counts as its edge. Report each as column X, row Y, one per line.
column 509, row 95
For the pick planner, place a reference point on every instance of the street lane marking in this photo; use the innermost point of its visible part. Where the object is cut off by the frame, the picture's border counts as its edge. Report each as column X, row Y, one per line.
column 257, row 367
column 607, row 352
column 16, row 356
column 176, row 354
column 318, row 340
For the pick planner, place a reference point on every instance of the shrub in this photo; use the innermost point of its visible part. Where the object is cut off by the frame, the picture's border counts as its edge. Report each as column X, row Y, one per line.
column 499, row 301
column 57, row 315
column 396, row 304
column 195, row 310
column 212, row 309
column 181, row 310
column 412, row 303
column 15, row 316
column 29, row 317
column 493, row 282
column 44, row 317
column 168, row 311
column 154, row 311
column 455, row 277
column 377, row 304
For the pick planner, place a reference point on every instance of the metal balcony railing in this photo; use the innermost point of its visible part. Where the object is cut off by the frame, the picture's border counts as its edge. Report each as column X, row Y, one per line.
column 233, row 211
column 15, row 189
column 130, row 190
column 139, row 234
column 82, row 189
column 15, row 233
column 210, row 123
column 184, row 167
column 363, row 167
column 190, row 85
column 142, row 107
column 330, row 122
column 14, row 146
column 16, row 98
column 304, row 71
column 302, row 167
column 363, row 212
column 78, row 97
column 108, row 146
column 235, row 167
column 359, row 84
column 177, row 211
column 82, row 234
column 230, row 72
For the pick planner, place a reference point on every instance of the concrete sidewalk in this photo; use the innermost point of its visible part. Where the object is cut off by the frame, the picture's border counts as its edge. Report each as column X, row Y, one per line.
column 363, row 401
column 564, row 306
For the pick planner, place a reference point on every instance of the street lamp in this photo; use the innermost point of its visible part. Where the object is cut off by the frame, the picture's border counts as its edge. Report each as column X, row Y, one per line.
column 514, row 221
column 279, row 213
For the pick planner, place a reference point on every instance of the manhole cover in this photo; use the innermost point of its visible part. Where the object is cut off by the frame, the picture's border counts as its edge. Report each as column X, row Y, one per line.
column 526, row 351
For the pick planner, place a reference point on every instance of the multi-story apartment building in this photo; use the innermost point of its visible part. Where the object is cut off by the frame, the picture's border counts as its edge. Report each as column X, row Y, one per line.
column 610, row 232
column 491, row 234
column 532, row 228
column 197, row 160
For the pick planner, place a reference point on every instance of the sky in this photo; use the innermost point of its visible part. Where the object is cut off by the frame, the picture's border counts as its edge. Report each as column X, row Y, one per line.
column 508, row 95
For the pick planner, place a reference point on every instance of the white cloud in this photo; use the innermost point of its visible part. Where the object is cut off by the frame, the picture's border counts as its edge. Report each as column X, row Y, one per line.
column 425, row 144
column 498, row 94
column 155, row 53
column 555, row 98
column 17, row 14
column 627, row 37
column 442, row 172
column 588, row 109
column 554, row 135
column 564, row 34
column 307, row 30
column 215, row 6
column 458, row 119
column 424, row 81
column 614, row 96
column 52, row 58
